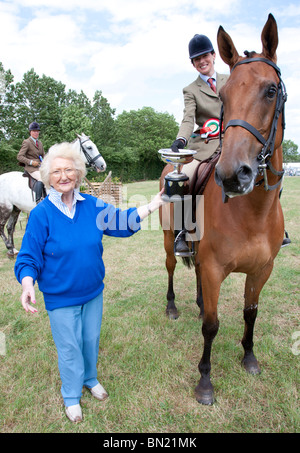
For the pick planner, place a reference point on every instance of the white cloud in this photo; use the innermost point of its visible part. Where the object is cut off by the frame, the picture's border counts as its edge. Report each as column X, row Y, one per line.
column 136, row 52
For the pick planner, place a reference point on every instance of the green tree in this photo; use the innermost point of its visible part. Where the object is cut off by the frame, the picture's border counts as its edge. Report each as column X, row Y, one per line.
column 103, row 122
column 146, row 131
column 290, row 151
column 7, row 104
column 74, row 121
column 79, row 99
column 40, row 99
column 142, row 133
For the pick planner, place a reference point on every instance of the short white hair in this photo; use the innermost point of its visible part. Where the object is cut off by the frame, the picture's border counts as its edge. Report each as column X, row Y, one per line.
column 63, row 150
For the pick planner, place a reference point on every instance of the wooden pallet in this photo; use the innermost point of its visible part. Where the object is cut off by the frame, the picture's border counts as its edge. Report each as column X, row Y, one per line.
column 108, row 191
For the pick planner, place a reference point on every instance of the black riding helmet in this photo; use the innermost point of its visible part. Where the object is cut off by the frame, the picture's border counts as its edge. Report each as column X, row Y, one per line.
column 34, row 126
column 199, row 45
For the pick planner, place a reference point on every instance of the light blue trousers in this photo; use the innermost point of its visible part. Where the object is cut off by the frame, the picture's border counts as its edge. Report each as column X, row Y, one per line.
column 76, row 334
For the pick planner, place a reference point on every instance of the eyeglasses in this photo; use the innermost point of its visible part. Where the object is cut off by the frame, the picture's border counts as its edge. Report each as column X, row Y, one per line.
column 67, row 171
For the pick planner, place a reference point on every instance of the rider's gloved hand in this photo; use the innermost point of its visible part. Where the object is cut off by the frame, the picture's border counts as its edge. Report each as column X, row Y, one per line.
column 177, row 145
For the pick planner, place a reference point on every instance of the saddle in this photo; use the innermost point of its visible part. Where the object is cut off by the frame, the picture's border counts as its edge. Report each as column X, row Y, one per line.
column 202, row 174
column 36, row 186
column 31, row 180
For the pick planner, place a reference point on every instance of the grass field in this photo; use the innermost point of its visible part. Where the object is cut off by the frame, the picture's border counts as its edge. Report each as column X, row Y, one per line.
column 148, row 364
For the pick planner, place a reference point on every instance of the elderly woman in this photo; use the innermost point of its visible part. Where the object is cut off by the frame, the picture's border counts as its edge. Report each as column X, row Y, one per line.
column 62, row 250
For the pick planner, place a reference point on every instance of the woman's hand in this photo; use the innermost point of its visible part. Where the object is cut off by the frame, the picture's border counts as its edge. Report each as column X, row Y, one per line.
column 157, row 201
column 146, row 210
column 28, row 295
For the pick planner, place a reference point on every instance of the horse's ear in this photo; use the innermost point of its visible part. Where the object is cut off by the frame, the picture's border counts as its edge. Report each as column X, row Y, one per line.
column 226, row 47
column 269, row 39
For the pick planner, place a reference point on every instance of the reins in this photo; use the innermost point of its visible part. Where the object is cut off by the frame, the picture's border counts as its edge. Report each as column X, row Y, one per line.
column 268, row 145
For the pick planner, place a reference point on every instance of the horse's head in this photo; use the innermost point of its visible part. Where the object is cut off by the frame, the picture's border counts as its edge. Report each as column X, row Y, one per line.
column 250, row 102
column 91, row 153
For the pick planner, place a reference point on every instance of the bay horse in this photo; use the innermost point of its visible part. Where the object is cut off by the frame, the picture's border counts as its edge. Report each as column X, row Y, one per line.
column 16, row 196
column 243, row 219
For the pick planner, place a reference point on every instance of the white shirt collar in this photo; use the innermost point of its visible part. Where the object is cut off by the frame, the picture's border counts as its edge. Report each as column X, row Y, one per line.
column 33, row 139
column 57, row 195
column 205, row 78
column 55, row 198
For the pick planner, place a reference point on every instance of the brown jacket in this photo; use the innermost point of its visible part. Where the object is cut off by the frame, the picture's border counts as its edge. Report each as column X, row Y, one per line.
column 29, row 152
column 200, row 104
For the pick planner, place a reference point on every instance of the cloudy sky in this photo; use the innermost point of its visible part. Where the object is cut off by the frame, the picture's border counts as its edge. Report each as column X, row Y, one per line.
column 136, row 51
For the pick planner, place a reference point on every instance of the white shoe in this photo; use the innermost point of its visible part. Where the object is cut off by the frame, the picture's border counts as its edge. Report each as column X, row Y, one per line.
column 74, row 413
column 99, row 392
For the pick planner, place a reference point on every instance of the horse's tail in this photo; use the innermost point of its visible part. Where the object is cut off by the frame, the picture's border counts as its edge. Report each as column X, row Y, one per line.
column 188, row 261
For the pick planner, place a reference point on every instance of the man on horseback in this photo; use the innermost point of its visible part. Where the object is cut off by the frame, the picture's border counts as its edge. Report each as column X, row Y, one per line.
column 30, row 156
column 202, row 106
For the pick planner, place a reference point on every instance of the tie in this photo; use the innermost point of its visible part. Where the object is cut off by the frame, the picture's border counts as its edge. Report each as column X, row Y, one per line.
column 37, row 144
column 211, row 84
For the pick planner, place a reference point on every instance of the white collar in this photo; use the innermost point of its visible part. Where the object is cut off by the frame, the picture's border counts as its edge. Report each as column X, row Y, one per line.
column 55, row 195
column 205, row 78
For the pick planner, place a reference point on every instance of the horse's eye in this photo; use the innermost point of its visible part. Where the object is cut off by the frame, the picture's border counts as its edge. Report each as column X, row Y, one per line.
column 271, row 92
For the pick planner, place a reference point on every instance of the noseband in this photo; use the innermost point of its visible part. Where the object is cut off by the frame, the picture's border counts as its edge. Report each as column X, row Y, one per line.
column 91, row 161
column 268, row 145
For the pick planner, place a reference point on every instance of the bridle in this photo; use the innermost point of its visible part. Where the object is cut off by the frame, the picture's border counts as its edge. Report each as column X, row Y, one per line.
column 91, row 161
column 268, row 145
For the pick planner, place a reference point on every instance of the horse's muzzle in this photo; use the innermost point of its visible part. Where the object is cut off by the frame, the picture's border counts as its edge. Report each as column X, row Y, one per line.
column 240, row 182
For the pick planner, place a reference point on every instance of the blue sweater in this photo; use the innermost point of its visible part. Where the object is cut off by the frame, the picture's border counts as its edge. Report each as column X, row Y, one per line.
column 65, row 255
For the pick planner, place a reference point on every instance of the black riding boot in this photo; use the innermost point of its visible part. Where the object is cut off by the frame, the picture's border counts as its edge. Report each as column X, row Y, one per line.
column 180, row 246
column 39, row 191
column 286, row 241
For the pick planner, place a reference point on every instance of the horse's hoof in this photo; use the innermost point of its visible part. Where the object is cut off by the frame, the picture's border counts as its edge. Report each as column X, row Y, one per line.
column 251, row 366
column 205, row 396
column 11, row 254
column 172, row 314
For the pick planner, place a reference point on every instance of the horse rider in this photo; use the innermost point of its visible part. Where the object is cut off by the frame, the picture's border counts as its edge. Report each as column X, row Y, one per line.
column 201, row 104
column 30, row 156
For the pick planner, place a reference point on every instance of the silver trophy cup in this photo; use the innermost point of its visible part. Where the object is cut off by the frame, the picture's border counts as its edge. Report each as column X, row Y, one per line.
column 175, row 181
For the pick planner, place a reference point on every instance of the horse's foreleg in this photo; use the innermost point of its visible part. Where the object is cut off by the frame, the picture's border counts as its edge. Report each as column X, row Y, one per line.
column 204, row 391
column 249, row 360
column 253, row 287
column 210, row 287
